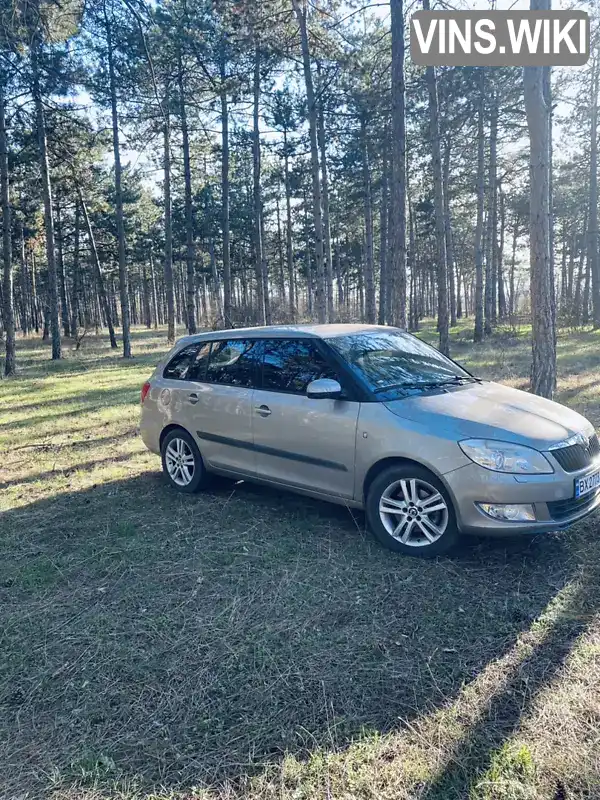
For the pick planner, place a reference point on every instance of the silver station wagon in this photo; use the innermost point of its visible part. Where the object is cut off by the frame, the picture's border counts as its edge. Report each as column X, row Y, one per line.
column 370, row 417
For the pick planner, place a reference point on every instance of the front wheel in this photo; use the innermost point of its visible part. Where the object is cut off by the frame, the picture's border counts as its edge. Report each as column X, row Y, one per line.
column 409, row 511
column 182, row 462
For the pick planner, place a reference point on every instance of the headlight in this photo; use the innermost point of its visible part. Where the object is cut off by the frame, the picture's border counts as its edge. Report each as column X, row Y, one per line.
column 505, row 457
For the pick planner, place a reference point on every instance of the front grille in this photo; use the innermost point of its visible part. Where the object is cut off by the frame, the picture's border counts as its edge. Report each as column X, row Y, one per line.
column 563, row 509
column 578, row 456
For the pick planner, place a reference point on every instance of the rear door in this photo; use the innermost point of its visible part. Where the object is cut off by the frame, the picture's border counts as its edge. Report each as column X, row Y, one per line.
column 176, row 386
column 221, row 402
column 302, row 442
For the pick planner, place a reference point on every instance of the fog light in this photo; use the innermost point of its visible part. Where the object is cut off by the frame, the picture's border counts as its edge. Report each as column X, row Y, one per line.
column 508, row 513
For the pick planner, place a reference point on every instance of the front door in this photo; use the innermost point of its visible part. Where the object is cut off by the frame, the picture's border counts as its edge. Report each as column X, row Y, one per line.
column 302, row 442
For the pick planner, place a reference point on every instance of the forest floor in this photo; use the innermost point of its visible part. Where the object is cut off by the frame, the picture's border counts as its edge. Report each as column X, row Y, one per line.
column 262, row 644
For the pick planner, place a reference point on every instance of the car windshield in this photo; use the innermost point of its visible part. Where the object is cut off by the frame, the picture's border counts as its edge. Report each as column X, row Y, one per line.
column 394, row 362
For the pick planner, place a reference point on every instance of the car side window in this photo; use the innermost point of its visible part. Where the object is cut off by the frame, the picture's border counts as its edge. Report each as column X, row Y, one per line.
column 289, row 365
column 179, row 366
column 197, row 370
column 234, row 362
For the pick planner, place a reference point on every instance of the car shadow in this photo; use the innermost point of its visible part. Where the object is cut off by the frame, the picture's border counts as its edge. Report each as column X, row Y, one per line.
column 190, row 640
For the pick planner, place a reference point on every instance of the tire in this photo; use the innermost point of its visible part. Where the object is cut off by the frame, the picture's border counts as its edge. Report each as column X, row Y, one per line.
column 401, row 489
column 189, row 475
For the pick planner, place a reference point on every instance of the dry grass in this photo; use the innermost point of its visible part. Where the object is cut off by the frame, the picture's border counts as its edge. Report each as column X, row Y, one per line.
column 259, row 645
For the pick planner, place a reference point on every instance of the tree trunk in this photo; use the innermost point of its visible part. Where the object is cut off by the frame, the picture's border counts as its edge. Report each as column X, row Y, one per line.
column 99, row 278
column 10, row 364
column 500, row 258
column 189, row 216
column 75, row 274
column 320, row 300
column 414, row 277
column 215, row 279
column 264, row 270
column 288, row 227
column 280, row 253
column 397, row 230
column 258, row 231
column 47, row 195
column 564, row 285
column 60, row 274
column 440, row 233
column 28, row 310
column 383, row 242
column 168, row 267
column 592, row 243
column 577, row 304
column 547, row 94
column 585, row 310
column 571, row 272
column 135, row 319
column 225, row 194
column 490, row 262
column 179, row 300
column 369, row 271
column 512, row 305
column 307, row 261
column 35, row 300
column 325, row 197
column 448, row 233
column 543, row 375
column 123, row 272
column 45, row 315
column 479, row 304
column 146, row 298
column 338, row 275
column 155, row 313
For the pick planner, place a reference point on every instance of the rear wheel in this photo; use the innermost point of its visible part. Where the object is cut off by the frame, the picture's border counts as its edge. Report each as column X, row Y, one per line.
column 409, row 511
column 182, row 462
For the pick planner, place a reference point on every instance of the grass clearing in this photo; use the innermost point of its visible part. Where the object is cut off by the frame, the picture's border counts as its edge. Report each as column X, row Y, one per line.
column 253, row 644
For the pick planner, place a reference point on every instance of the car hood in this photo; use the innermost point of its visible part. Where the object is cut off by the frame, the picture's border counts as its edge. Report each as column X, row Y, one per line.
column 493, row 411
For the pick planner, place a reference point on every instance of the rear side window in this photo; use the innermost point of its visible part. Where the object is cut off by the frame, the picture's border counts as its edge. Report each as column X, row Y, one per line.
column 197, row 371
column 180, row 365
column 291, row 364
column 234, row 362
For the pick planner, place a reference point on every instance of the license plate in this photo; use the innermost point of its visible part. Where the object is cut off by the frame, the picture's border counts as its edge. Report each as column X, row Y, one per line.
column 588, row 484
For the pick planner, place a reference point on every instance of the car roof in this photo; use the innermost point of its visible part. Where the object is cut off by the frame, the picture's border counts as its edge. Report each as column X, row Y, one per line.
column 285, row 332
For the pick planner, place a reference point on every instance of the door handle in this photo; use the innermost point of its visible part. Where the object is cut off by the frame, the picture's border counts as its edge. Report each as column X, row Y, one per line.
column 263, row 411
column 193, row 398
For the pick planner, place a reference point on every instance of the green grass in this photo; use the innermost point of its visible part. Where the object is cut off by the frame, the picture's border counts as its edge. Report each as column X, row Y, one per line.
column 245, row 643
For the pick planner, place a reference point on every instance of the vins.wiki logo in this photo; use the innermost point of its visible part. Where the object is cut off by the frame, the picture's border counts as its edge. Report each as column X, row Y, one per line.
column 500, row 38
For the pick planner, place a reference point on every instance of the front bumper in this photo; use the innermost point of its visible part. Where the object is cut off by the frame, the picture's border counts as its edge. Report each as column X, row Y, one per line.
column 552, row 497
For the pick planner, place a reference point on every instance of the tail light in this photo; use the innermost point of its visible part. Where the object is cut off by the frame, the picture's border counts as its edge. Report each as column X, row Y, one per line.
column 145, row 390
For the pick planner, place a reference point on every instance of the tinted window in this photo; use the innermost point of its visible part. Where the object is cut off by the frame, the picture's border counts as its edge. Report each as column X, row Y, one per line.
column 291, row 364
column 234, row 362
column 179, row 366
column 197, row 370
column 396, row 360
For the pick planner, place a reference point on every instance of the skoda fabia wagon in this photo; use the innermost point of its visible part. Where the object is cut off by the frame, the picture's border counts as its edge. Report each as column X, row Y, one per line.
column 370, row 417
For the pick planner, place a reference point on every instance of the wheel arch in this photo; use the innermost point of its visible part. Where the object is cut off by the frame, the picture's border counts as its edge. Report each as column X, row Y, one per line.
column 172, row 427
column 390, row 461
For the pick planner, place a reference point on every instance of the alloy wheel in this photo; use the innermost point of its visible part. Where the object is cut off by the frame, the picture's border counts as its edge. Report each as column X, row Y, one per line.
column 413, row 512
column 180, row 462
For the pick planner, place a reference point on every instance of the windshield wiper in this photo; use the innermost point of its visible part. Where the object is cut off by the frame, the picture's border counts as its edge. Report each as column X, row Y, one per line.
column 456, row 381
column 414, row 385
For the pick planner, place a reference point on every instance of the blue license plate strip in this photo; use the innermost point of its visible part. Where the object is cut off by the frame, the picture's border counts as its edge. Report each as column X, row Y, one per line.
column 587, row 484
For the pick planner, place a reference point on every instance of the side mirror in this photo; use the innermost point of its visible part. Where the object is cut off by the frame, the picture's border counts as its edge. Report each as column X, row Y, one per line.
column 323, row 388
